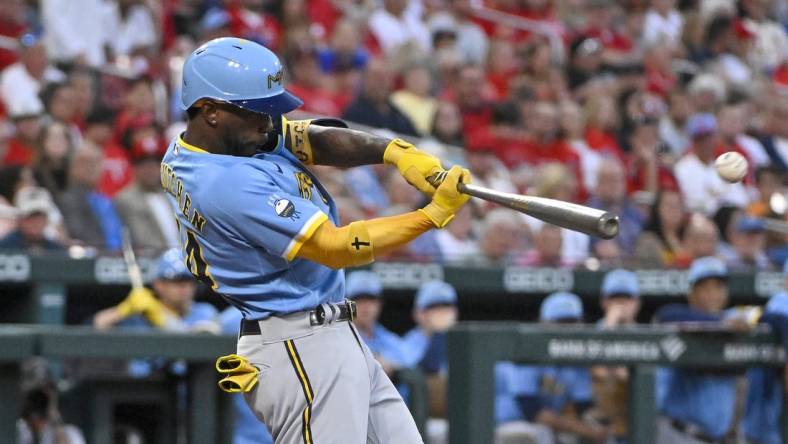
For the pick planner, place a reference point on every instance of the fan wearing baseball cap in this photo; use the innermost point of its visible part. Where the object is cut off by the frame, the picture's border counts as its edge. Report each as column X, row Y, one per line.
column 620, row 301
column 33, row 205
column 169, row 306
column 534, row 402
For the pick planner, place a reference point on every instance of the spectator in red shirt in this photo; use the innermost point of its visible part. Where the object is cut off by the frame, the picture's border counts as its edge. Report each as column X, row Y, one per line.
column 646, row 170
column 309, row 83
column 12, row 24
column 248, row 20
column 601, row 25
column 27, row 123
column 476, row 110
column 545, row 144
column 601, row 126
column 116, row 169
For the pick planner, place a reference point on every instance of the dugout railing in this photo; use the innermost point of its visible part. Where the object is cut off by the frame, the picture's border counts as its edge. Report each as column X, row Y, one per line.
column 208, row 414
column 475, row 347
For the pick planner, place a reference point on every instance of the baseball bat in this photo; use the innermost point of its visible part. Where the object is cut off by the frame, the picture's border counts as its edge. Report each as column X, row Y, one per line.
column 132, row 267
column 575, row 217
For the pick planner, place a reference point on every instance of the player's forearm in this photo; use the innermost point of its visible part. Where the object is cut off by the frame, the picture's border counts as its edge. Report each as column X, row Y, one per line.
column 341, row 147
column 360, row 242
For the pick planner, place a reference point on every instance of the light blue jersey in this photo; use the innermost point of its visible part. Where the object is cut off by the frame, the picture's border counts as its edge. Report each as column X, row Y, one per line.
column 242, row 221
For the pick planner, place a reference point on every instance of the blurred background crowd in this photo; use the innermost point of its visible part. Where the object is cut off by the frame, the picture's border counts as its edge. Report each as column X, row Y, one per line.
column 620, row 105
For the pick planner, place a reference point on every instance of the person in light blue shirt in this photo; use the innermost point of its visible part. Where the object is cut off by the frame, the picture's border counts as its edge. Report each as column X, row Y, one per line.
column 365, row 288
column 171, row 301
column 435, row 312
column 534, row 401
column 169, row 307
column 763, row 405
column 248, row 429
column 698, row 404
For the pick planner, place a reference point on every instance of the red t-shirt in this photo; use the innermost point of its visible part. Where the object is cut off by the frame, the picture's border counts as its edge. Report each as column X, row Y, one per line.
column 514, row 152
column 117, row 171
column 262, row 28
column 12, row 30
column 316, row 100
column 18, row 153
column 604, row 142
column 477, row 119
column 610, row 39
column 636, row 179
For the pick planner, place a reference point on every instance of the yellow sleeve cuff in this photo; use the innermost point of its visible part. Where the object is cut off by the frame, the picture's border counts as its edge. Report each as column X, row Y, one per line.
column 304, row 235
column 297, row 131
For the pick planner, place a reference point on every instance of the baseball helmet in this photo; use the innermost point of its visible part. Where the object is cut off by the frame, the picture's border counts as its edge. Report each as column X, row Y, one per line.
column 237, row 71
column 171, row 266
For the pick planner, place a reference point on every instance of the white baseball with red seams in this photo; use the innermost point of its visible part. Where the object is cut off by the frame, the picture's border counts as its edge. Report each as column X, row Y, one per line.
column 731, row 166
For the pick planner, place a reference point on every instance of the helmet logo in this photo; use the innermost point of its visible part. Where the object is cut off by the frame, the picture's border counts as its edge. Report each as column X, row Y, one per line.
column 275, row 79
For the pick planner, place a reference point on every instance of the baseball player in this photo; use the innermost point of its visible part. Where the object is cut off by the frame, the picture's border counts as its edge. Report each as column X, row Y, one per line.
column 170, row 306
column 258, row 227
column 697, row 406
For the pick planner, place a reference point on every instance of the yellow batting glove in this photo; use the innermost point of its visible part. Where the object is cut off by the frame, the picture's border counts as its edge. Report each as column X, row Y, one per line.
column 447, row 201
column 413, row 164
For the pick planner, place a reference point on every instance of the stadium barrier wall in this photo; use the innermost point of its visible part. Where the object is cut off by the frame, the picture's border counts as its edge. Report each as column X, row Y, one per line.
column 475, row 347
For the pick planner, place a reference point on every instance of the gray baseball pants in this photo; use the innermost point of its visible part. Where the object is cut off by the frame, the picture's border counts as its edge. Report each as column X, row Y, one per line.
column 320, row 384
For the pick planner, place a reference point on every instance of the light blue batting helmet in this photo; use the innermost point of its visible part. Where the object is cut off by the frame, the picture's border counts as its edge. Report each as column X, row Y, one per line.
column 237, row 71
column 171, row 266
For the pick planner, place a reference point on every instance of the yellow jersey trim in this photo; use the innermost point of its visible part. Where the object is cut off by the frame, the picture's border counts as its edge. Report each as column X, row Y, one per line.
column 189, row 146
column 304, row 235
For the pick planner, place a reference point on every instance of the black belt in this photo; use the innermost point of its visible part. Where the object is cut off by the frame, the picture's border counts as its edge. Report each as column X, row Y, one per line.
column 692, row 430
column 345, row 311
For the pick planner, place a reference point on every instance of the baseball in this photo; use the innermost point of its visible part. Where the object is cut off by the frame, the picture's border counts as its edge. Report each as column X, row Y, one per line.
column 731, row 166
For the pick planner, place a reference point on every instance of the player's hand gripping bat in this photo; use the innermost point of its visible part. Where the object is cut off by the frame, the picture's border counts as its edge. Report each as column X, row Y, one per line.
column 575, row 217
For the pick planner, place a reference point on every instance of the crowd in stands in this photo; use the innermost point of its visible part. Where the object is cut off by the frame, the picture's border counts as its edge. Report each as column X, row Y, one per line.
column 620, row 105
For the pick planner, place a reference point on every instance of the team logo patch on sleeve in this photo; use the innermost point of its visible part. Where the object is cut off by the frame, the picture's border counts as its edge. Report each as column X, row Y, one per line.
column 285, row 208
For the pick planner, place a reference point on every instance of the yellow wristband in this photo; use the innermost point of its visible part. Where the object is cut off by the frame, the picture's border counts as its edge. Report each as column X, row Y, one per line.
column 298, row 132
column 394, row 151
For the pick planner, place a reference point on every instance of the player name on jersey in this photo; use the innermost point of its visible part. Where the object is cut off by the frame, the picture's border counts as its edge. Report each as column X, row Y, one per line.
column 174, row 186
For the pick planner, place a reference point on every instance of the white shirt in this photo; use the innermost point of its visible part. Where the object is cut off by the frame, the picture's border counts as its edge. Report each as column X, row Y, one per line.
column 674, row 136
column 657, row 28
column 19, row 90
column 589, row 162
column 575, row 246
column 471, row 39
column 392, row 32
column 771, row 44
column 703, row 189
column 76, row 27
column 453, row 249
column 754, row 149
column 137, row 31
